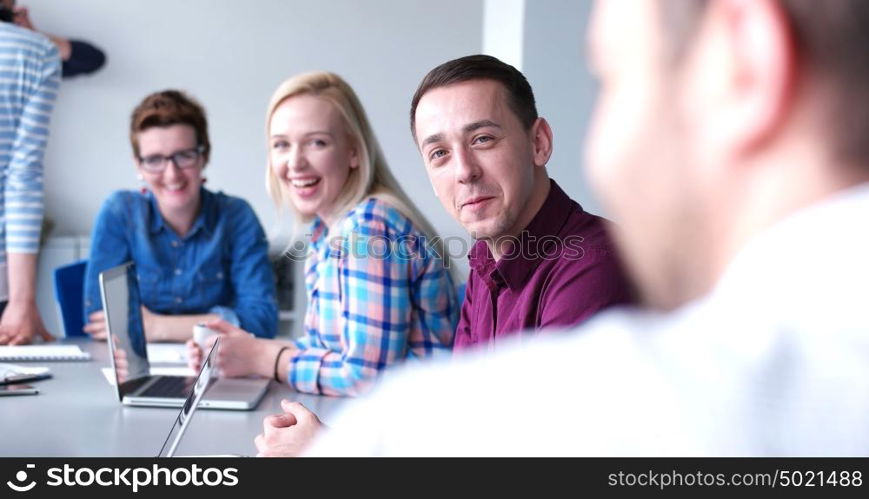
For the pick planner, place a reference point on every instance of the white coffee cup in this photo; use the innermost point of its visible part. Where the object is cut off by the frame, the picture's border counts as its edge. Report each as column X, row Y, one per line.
column 201, row 333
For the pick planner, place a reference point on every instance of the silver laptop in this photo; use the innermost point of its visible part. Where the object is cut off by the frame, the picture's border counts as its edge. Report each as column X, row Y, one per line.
column 179, row 426
column 135, row 383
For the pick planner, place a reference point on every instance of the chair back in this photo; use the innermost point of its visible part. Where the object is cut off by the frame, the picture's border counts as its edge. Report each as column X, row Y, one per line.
column 69, row 293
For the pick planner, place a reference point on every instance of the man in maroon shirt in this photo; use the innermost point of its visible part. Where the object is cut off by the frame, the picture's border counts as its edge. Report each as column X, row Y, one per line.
column 539, row 260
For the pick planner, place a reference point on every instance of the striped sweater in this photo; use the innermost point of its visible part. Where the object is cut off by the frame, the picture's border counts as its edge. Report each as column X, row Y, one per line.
column 29, row 81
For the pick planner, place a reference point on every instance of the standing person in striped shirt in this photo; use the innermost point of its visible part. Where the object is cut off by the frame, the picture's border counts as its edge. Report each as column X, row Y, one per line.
column 29, row 80
column 377, row 284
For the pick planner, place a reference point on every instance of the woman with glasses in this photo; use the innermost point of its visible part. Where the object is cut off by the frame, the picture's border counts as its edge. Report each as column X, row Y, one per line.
column 200, row 255
column 378, row 288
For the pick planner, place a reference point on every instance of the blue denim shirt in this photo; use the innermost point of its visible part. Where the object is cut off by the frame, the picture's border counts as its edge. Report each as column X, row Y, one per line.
column 221, row 266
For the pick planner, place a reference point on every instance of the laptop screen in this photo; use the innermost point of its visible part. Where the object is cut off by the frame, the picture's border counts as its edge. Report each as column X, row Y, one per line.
column 190, row 405
column 122, row 307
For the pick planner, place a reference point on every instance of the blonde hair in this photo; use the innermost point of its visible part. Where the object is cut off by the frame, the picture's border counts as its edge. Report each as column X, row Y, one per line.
column 371, row 179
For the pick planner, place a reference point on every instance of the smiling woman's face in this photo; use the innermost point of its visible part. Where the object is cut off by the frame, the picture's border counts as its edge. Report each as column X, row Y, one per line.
column 176, row 189
column 311, row 153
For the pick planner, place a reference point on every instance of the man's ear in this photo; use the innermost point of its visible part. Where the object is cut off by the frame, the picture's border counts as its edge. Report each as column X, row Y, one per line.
column 541, row 136
column 751, row 72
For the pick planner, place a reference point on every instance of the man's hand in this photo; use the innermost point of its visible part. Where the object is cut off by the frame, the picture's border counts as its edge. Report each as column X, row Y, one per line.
column 288, row 434
column 21, row 322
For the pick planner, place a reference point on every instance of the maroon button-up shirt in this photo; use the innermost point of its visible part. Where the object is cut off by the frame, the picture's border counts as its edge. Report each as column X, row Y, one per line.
column 563, row 270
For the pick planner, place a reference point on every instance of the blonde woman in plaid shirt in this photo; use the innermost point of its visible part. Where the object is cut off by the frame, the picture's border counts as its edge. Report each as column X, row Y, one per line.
column 378, row 287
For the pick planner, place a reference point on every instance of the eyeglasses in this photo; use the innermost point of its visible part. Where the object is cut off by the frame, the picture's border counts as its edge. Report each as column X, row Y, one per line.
column 156, row 163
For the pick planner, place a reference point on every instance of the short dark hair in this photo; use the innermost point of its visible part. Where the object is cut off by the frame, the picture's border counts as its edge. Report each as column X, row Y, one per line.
column 832, row 40
column 167, row 108
column 520, row 97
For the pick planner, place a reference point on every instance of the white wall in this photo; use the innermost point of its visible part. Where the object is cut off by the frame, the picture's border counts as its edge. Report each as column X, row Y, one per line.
column 554, row 63
column 503, row 30
column 231, row 55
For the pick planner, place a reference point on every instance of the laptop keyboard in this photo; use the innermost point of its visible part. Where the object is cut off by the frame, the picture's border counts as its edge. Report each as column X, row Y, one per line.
column 170, row 386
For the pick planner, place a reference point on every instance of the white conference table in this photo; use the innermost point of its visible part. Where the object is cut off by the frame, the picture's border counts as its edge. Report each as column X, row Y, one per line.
column 77, row 413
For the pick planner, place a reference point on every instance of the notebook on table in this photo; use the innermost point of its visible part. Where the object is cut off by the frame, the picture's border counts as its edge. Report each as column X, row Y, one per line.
column 25, row 353
column 134, row 381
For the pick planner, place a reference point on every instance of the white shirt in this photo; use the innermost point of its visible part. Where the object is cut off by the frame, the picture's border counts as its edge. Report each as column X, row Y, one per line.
column 775, row 361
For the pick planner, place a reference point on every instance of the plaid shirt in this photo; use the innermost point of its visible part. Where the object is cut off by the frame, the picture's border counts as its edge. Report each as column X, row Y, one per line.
column 375, row 297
